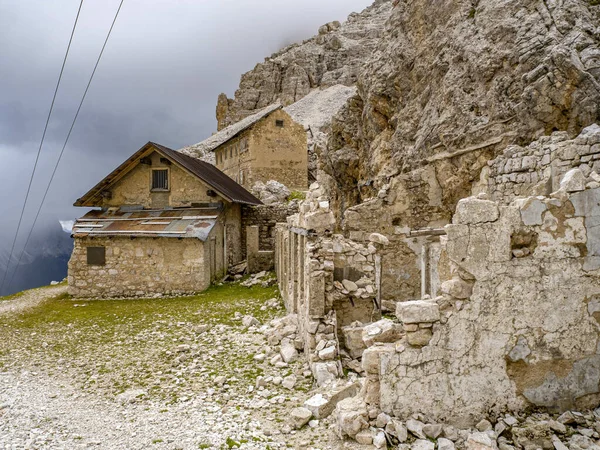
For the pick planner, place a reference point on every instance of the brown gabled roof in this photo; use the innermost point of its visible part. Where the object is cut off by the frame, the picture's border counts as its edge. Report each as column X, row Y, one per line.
column 226, row 134
column 206, row 172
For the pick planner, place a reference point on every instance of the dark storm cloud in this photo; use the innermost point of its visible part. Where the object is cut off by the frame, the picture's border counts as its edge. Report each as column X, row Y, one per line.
column 165, row 64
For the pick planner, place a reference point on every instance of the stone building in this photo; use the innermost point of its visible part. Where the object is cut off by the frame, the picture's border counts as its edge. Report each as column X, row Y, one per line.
column 268, row 145
column 167, row 223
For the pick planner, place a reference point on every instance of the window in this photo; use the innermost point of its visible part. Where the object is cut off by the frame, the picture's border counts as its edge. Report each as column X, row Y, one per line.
column 279, row 123
column 160, row 179
column 96, row 256
column 231, row 151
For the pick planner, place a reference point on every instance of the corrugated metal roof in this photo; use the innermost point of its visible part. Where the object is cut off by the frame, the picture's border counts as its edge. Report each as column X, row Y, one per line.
column 208, row 173
column 226, row 134
column 172, row 223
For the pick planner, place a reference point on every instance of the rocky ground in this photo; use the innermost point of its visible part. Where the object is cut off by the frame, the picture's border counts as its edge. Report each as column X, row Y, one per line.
column 183, row 373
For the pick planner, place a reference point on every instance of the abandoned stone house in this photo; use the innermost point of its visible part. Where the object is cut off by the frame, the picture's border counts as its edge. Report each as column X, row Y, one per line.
column 164, row 223
column 268, row 145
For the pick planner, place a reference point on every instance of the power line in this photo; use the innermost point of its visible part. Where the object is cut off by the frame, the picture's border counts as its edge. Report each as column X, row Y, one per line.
column 37, row 158
column 66, row 142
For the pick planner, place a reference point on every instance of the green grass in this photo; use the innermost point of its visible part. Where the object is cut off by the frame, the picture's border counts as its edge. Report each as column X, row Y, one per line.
column 12, row 296
column 116, row 345
column 296, row 195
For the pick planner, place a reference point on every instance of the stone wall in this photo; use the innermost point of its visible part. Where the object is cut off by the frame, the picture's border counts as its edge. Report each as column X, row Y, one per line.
column 327, row 280
column 265, row 217
column 517, row 325
column 140, row 267
column 538, row 168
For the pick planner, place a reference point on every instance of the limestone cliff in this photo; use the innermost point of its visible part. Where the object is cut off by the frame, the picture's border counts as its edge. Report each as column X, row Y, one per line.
column 335, row 56
column 452, row 83
column 446, row 85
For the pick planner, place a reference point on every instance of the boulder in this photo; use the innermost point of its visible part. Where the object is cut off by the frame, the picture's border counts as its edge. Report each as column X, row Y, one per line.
column 300, row 417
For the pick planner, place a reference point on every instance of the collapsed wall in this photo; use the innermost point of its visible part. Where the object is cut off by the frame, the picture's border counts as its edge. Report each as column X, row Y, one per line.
column 518, row 323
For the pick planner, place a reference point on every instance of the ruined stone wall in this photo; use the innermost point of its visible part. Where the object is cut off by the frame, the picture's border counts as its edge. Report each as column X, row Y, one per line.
column 265, row 217
column 517, row 324
column 538, row 168
column 140, row 267
column 327, row 280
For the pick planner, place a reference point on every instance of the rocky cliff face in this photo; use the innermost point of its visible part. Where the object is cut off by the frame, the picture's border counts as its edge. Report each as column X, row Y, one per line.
column 443, row 87
column 335, row 56
column 453, row 82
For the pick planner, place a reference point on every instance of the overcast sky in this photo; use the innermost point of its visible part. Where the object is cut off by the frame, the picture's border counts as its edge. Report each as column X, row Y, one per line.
column 165, row 64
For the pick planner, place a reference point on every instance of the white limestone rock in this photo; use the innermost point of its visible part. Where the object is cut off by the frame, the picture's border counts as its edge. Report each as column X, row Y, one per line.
column 418, row 311
column 351, row 417
column 573, row 181
column 423, row 444
column 445, row 444
column 383, row 330
column 288, row 351
column 300, row 417
column 472, row 210
column 480, row 441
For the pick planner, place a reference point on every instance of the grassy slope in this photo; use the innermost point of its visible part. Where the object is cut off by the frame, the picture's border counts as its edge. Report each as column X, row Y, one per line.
column 122, row 344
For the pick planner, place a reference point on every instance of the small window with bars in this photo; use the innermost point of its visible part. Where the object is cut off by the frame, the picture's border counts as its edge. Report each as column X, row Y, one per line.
column 96, row 256
column 279, row 123
column 160, row 179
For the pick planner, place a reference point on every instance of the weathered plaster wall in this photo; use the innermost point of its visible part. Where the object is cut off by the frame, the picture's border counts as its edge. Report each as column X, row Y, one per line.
column 139, row 267
column 135, row 188
column 267, row 152
column 518, row 324
column 279, row 154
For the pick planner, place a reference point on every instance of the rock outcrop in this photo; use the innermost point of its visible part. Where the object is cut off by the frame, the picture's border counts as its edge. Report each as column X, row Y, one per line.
column 334, row 56
column 452, row 83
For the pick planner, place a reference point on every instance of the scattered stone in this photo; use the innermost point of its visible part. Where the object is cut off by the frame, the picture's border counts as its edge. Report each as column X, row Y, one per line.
column 300, row 417
column 416, row 428
column 480, row 441
column 397, row 429
column 288, row 351
column 351, row 417
column 249, row 321
column 364, row 437
column 379, row 440
column 423, row 444
column 432, row 431
column 484, row 425
column 445, row 444
column 289, row 382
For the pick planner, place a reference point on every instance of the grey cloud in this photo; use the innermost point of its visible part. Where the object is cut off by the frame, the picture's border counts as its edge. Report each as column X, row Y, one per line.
column 164, row 66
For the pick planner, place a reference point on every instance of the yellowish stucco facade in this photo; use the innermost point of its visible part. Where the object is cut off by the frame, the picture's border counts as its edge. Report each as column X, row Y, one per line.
column 274, row 148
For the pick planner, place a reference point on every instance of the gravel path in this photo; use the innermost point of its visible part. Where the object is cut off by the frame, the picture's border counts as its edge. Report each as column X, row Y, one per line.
column 149, row 374
column 31, row 299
